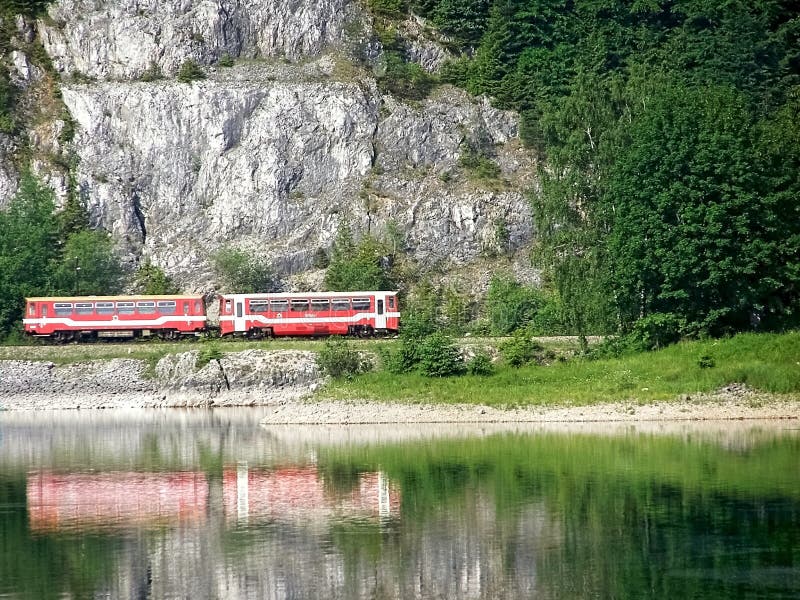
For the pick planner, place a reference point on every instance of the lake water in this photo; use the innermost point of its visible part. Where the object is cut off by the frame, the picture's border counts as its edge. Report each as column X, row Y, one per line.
column 207, row 504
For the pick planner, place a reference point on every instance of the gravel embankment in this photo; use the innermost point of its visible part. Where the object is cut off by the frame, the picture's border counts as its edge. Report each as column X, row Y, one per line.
column 246, row 378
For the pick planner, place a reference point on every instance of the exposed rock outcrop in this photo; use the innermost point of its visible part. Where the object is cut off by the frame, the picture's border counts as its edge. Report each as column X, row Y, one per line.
column 252, row 377
column 274, row 154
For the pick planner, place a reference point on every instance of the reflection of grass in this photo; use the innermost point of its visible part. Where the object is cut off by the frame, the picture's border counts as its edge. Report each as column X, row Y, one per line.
column 767, row 362
column 513, row 465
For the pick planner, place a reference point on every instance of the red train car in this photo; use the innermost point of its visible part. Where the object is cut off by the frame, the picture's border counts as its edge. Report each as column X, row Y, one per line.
column 309, row 313
column 88, row 317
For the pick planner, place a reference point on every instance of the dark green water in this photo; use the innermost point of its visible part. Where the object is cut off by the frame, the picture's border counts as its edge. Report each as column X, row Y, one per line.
column 171, row 504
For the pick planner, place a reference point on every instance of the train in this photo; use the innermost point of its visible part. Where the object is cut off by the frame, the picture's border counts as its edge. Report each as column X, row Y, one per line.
column 178, row 316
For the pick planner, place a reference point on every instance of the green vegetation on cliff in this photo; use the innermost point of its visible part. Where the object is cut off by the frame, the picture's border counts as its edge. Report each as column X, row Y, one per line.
column 669, row 130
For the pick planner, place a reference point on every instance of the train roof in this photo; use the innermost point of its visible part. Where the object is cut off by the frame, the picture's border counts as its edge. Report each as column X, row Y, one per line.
column 112, row 298
column 309, row 294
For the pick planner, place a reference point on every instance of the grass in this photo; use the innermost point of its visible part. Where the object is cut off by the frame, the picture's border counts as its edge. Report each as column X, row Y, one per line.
column 766, row 362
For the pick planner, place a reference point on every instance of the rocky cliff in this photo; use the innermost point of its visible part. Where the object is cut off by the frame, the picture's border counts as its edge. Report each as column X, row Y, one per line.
column 271, row 154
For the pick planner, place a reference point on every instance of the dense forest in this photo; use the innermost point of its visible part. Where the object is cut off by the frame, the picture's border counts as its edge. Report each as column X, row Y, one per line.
column 671, row 156
column 668, row 134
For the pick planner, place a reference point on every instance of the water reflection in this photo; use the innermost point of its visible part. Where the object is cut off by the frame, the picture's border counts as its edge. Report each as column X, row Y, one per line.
column 92, row 501
column 299, row 494
column 208, row 504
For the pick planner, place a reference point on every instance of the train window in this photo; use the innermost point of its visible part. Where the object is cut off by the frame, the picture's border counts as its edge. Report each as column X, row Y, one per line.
column 44, row 311
column 83, row 308
column 104, row 308
column 167, row 307
column 197, row 307
column 320, row 305
column 32, row 308
column 146, row 308
column 341, row 304
column 63, row 309
column 299, row 305
column 390, row 301
column 279, row 306
column 360, row 303
column 259, row 306
column 228, row 306
column 125, row 308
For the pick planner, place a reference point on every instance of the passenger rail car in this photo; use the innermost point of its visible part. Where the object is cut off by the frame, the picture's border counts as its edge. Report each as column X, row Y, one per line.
column 309, row 314
column 89, row 317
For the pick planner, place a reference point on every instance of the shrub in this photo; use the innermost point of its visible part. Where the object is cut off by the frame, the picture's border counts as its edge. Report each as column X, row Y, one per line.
column 151, row 280
column 190, row 71
column 706, row 362
column 339, row 359
column 480, row 364
column 153, row 73
column 521, row 349
column 243, row 273
column 226, row 60
column 510, row 305
column 655, row 331
column 403, row 360
column 404, row 79
column 440, row 357
column 210, row 352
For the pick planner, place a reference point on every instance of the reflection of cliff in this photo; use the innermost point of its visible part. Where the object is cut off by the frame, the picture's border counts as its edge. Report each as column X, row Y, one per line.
column 299, row 493
column 114, row 500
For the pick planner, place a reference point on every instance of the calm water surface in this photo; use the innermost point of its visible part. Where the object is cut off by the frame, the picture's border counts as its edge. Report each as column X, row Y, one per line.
column 182, row 504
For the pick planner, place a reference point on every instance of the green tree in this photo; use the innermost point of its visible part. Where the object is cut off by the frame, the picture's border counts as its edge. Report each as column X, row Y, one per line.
column 89, row 265
column 691, row 232
column 150, row 279
column 28, row 249
column 243, row 273
column 510, row 305
column 355, row 267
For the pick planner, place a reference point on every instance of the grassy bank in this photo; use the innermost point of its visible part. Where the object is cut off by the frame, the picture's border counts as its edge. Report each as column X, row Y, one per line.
column 766, row 362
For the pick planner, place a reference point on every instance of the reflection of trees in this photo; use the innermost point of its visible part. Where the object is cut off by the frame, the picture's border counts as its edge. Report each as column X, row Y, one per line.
column 44, row 566
column 624, row 517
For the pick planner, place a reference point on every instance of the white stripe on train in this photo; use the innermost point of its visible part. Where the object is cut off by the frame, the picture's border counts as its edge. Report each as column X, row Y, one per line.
column 121, row 323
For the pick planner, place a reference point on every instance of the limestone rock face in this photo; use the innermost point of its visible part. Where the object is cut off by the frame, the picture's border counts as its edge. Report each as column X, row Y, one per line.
column 271, row 155
column 121, row 39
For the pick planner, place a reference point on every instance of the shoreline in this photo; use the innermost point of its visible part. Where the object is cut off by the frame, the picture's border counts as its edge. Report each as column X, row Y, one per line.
column 711, row 407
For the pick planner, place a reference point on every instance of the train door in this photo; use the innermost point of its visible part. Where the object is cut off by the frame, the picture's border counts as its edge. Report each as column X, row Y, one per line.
column 380, row 312
column 239, row 320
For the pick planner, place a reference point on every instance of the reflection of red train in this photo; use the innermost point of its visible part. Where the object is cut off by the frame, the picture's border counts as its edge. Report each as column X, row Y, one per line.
column 299, row 493
column 86, row 317
column 114, row 500
column 309, row 313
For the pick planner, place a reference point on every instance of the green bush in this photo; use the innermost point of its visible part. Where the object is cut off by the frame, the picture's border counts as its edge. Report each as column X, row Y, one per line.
column 243, row 273
column 226, row 60
column 151, row 280
column 402, row 360
column 480, row 364
column 339, row 359
column 210, row 352
column 521, row 349
column 440, row 357
column 706, row 362
column 655, row 331
column 404, row 79
column 190, row 71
